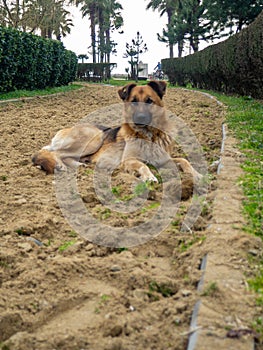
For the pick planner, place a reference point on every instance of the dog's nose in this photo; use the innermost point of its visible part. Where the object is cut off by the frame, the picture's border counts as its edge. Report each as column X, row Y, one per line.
column 142, row 119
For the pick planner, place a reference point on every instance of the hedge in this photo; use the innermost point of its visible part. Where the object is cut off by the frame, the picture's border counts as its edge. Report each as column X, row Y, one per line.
column 232, row 66
column 95, row 71
column 30, row 62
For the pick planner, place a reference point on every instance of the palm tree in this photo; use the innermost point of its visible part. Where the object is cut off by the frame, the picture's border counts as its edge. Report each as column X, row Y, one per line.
column 89, row 8
column 106, row 14
column 169, row 7
column 56, row 20
column 110, row 19
column 114, row 21
column 49, row 16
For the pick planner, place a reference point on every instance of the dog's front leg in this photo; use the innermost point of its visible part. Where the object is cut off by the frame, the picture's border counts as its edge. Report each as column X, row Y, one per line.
column 187, row 168
column 136, row 167
column 73, row 163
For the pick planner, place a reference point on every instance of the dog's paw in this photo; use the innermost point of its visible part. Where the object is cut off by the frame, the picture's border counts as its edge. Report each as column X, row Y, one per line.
column 197, row 176
column 60, row 167
column 146, row 174
column 149, row 178
column 81, row 165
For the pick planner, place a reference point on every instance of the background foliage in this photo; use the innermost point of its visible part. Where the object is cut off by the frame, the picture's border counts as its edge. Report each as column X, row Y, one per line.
column 233, row 66
column 30, row 62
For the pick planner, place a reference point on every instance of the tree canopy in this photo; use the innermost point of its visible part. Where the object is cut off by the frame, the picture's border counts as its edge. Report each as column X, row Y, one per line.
column 190, row 21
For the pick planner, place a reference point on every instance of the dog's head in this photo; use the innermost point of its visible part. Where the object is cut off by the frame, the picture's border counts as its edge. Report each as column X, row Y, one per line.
column 143, row 104
column 44, row 160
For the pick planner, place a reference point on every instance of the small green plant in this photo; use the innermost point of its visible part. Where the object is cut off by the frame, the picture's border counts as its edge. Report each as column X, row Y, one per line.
column 4, row 264
column 89, row 172
column 175, row 223
column 161, row 288
column 3, row 346
column 150, row 207
column 116, row 190
column 140, row 188
column 22, row 231
column 66, row 245
column 119, row 250
column 211, row 290
column 73, row 234
column 104, row 298
column 105, row 214
column 103, row 301
column 4, row 177
column 186, row 244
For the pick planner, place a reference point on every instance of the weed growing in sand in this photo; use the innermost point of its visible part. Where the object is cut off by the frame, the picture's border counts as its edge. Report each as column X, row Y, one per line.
column 123, row 249
column 116, row 190
column 161, row 288
column 72, row 234
column 142, row 187
column 211, row 290
column 150, row 207
column 139, row 190
column 66, row 245
column 186, row 244
column 103, row 301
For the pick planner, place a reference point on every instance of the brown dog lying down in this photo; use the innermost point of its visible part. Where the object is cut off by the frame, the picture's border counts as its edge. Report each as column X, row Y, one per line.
column 142, row 139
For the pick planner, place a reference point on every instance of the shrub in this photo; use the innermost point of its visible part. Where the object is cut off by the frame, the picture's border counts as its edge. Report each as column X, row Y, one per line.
column 30, row 62
column 232, row 66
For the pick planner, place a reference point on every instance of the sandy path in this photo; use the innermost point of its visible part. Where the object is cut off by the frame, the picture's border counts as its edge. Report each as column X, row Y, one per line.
column 87, row 296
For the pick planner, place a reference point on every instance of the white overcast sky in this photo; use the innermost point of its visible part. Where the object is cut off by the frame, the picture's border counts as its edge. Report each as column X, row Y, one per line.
column 136, row 18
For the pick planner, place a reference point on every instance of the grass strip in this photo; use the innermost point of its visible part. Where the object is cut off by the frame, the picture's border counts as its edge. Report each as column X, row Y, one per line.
column 33, row 93
column 245, row 118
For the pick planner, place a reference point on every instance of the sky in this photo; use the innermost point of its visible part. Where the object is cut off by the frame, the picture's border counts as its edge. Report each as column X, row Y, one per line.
column 136, row 18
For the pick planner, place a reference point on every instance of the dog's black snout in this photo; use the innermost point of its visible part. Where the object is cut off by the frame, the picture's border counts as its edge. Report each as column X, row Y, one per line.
column 141, row 118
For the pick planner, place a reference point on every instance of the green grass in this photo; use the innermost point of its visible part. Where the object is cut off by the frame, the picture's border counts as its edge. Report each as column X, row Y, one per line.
column 28, row 93
column 245, row 118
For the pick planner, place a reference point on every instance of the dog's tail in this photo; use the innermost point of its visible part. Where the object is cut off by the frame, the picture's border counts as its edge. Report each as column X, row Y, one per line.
column 45, row 160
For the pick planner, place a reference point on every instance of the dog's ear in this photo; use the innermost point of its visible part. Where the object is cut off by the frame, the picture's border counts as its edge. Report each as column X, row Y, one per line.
column 158, row 86
column 124, row 92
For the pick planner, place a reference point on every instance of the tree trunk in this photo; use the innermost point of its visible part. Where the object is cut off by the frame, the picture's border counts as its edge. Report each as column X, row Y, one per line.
column 93, row 32
column 194, row 43
column 101, row 35
column 107, row 33
column 171, row 50
column 180, row 48
column 171, row 45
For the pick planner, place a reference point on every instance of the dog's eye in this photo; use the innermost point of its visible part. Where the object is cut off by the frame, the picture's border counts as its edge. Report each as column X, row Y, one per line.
column 149, row 100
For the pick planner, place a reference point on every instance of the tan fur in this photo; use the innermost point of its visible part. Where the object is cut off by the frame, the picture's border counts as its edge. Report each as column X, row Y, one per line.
column 142, row 138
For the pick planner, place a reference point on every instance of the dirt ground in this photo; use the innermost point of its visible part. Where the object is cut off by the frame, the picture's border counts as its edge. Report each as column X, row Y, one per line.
column 62, row 291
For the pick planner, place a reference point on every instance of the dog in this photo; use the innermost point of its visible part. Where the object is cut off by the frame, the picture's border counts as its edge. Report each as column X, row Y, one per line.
column 143, row 138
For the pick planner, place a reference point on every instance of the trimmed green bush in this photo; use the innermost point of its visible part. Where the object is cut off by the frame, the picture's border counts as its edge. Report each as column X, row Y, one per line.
column 95, row 71
column 232, row 66
column 30, row 62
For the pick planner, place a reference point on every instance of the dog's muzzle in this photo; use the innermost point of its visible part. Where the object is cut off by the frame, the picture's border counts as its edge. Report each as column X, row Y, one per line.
column 142, row 118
